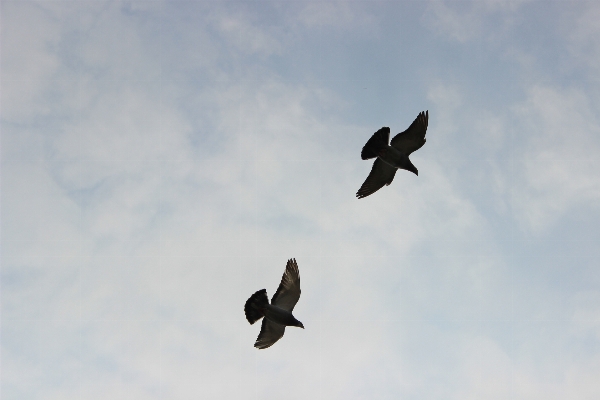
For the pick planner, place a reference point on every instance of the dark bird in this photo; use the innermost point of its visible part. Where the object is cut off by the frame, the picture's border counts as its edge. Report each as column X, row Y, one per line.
column 393, row 156
column 278, row 314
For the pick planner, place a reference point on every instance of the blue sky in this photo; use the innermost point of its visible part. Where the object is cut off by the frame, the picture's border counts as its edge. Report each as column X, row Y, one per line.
column 162, row 160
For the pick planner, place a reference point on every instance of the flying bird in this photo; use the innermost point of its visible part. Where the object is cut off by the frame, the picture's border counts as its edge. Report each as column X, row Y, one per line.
column 278, row 314
column 394, row 156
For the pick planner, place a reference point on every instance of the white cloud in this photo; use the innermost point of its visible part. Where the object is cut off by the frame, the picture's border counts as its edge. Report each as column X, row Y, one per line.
column 493, row 374
column 141, row 225
column 559, row 163
column 540, row 151
column 27, row 62
column 447, row 99
column 247, row 37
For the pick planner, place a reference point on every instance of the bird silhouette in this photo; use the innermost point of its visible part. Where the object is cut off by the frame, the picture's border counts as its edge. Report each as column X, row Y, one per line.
column 392, row 157
column 278, row 314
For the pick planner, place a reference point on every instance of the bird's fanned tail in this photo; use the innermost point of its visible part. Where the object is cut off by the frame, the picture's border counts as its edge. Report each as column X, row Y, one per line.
column 255, row 306
column 376, row 143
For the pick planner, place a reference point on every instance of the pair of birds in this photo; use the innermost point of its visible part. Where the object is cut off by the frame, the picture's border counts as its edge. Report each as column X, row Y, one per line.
column 389, row 158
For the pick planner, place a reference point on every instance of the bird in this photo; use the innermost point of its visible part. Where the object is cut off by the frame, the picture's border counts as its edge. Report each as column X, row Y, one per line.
column 278, row 314
column 392, row 157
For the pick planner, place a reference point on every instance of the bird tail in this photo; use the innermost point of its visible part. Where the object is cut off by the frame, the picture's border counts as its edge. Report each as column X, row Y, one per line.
column 255, row 306
column 378, row 141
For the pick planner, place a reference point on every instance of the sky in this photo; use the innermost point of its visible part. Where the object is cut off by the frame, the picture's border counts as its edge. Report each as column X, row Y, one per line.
column 161, row 161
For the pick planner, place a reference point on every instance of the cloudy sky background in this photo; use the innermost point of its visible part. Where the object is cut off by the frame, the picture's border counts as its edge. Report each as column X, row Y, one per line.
column 162, row 160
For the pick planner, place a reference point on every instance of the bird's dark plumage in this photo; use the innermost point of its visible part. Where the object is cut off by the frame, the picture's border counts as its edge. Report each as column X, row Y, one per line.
column 270, row 332
column 413, row 138
column 255, row 305
column 288, row 292
column 278, row 314
column 394, row 156
column 379, row 140
column 381, row 175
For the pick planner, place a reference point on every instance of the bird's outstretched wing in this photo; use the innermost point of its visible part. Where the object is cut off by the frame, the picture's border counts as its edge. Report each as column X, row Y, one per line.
column 288, row 292
column 381, row 174
column 270, row 332
column 413, row 138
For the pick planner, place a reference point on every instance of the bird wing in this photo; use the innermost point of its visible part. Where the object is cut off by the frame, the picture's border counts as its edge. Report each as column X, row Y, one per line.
column 270, row 332
column 413, row 138
column 288, row 292
column 381, row 174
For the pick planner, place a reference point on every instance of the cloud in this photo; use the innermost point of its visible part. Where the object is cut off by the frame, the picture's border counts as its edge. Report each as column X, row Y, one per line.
column 143, row 209
column 27, row 63
column 558, row 164
column 247, row 37
column 467, row 21
column 538, row 154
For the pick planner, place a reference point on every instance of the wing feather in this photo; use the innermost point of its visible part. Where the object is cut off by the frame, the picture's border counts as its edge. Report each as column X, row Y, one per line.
column 381, row 174
column 288, row 292
column 413, row 138
column 270, row 332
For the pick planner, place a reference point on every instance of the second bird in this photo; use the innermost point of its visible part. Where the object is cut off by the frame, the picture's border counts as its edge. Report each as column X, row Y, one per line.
column 278, row 314
column 392, row 156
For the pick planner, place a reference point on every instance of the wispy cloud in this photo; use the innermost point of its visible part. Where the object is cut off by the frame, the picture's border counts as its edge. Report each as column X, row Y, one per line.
column 161, row 161
column 559, row 163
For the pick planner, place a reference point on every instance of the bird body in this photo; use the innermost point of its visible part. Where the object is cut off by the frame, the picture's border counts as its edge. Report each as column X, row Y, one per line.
column 278, row 314
column 281, row 316
column 391, row 156
column 394, row 158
